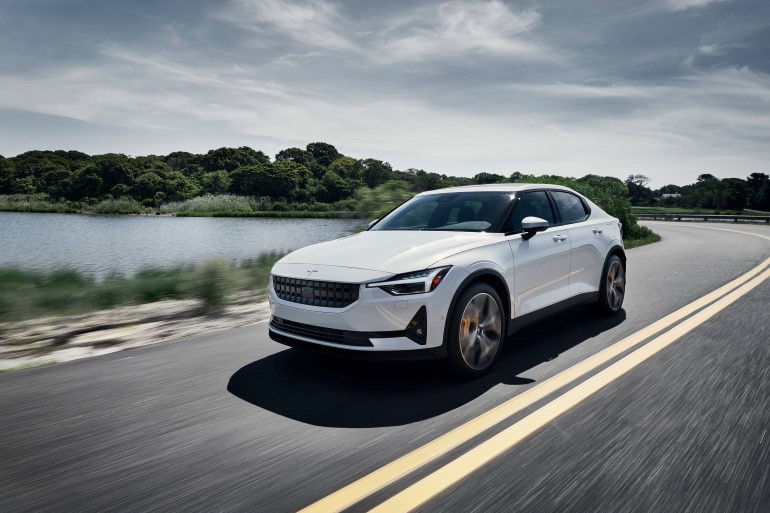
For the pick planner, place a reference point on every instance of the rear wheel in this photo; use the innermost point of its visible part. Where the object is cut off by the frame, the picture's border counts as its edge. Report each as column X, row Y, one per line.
column 476, row 331
column 613, row 286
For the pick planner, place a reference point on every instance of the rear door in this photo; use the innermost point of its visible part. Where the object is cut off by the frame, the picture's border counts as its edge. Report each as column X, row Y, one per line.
column 588, row 240
column 541, row 264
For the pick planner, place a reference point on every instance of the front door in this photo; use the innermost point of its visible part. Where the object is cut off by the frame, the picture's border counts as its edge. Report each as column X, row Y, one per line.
column 541, row 264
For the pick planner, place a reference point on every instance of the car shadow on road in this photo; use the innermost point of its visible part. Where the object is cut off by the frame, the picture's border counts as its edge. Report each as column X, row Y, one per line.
column 332, row 392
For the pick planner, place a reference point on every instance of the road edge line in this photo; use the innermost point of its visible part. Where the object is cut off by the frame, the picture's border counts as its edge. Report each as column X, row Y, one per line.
column 416, row 459
column 453, row 472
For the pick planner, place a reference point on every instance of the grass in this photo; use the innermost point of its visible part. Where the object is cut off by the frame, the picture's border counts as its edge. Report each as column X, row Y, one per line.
column 35, row 203
column 210, row 204
column 222, row 205
column 699, row 211
column 641, row 241
column 228, row 205
column 121, row 206
column 296, row 214
column 29, row 294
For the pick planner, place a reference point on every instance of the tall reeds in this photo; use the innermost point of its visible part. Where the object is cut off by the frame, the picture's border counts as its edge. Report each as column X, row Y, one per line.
column 27, row 294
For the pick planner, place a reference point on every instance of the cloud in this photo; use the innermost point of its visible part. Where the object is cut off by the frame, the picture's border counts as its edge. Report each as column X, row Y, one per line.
column 711, row 49
column 312, row 22
column 681, row 5
column 446, row 86
column 452, row 28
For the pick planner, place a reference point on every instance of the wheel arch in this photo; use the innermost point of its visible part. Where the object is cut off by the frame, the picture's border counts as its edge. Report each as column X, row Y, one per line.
column 491, row 278
column 619, row 251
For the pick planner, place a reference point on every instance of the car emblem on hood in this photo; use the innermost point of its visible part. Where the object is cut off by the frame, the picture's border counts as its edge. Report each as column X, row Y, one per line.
column 309, row 272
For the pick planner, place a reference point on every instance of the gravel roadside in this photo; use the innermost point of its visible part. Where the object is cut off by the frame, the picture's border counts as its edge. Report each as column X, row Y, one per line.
column 63, row 338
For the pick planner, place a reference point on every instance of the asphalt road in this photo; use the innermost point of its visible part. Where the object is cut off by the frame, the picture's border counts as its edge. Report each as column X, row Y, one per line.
column 234, row 422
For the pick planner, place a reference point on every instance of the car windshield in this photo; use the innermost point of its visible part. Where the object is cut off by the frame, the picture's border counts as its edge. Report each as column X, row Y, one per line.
column 459, row 211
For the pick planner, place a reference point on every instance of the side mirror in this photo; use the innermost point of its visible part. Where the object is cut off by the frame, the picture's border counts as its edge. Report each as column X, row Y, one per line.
column 531, row 225
column 371, row 223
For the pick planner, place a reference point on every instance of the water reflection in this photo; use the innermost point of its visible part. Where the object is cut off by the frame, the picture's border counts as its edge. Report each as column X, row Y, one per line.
column 101, row 244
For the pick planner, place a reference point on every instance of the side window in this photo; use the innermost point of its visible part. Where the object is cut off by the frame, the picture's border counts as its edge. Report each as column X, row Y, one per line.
column 532, row 204
column 571, row 209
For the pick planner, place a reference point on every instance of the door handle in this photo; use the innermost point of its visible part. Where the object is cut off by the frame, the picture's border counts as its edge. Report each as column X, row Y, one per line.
column 597, row 230
column 559, row 238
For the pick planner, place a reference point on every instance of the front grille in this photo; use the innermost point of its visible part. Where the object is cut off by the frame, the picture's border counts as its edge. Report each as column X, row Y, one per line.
column 350, row 338
column 316, row 293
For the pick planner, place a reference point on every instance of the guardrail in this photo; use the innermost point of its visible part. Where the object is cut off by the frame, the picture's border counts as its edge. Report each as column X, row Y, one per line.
column 699, row 217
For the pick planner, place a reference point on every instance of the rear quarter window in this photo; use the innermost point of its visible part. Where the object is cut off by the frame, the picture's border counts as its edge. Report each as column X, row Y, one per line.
column 571, row 209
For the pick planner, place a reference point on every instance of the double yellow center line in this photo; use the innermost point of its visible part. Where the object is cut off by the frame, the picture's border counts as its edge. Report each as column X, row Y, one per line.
column 464, row 465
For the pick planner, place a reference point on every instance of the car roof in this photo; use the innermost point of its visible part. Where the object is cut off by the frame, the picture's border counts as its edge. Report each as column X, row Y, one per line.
column 497, row 187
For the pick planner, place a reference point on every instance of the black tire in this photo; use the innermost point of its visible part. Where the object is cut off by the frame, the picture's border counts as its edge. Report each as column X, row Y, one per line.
column 612, row 290
column 476, row 331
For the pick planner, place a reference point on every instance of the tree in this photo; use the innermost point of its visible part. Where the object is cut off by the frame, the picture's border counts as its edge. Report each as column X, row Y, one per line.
column 297, row 155
column 427, row 181
column 86, row 183
column 348, row 168
column 178, row 160
column 669, row 189
column 484, row 178
column 121, row 191
column 374, row 202
column 113, row 169
column 245, row 180
column 284, row 179
column 376, row 172
column 734, row 193
column 7, row 176
column 758, row 185
column 640, row 180
column 56, row 181
column 146, row 186
column 706, row 177
column 335, row 188
column 179, row 187
column 231, row 159
column 638, row 192
column 323, row 153
column 216, row 182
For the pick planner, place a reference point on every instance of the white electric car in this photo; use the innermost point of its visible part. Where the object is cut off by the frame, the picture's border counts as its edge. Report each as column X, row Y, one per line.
column 450, row 273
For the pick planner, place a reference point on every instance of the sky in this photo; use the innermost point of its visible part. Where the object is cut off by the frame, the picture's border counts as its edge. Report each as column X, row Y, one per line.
column 666, row 88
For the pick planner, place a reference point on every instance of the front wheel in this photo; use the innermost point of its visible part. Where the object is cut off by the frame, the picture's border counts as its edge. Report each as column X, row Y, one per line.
column 476, row 331
column 613, row 287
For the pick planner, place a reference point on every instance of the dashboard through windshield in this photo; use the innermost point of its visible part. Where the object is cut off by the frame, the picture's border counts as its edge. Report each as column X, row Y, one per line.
column 459, row 211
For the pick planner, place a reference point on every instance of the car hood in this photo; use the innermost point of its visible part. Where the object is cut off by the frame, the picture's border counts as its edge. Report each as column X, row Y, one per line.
column 376, row 254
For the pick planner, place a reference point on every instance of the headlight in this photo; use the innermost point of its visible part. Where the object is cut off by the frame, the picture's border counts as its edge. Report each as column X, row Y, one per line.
column 418, row 282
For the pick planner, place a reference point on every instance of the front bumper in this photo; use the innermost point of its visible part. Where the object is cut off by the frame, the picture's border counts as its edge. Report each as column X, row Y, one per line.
column 418, row 354
column 376, row 323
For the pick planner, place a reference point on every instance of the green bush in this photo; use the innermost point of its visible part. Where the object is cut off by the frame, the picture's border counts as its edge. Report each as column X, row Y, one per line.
column 119, row 206
column 609, row 193
column 373, row 203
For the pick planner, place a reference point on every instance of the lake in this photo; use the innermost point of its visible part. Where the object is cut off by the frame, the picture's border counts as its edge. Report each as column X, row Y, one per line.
column 103, row 244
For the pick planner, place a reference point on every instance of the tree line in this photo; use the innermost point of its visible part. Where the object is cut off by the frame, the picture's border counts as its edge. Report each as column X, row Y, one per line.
column 708, row 192
column 317, row 178
column 302, row 178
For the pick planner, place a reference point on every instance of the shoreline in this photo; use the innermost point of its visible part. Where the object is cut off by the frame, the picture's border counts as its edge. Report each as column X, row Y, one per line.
column 48, row 340
column 291, row 214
